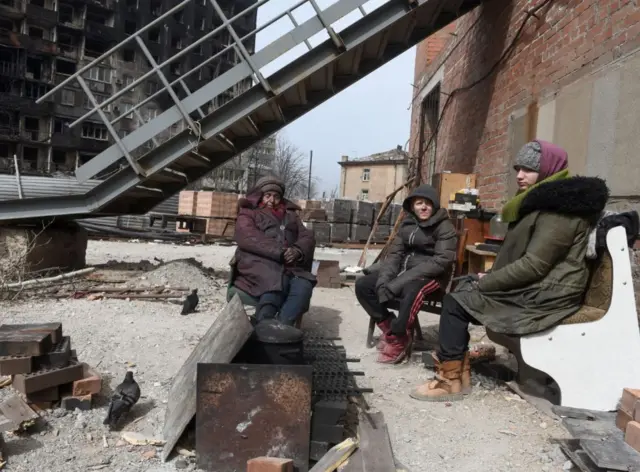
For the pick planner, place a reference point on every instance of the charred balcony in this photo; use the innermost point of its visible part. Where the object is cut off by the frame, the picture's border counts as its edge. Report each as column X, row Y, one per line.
column 42, row 13
column 100, row 31
column 12, row 9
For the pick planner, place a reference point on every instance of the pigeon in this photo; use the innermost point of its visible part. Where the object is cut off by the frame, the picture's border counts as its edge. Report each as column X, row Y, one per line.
column 124, row 397
column 190, row 303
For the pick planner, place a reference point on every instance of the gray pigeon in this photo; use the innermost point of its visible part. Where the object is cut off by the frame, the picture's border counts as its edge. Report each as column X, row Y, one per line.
column 124, row 397
column 190, row 303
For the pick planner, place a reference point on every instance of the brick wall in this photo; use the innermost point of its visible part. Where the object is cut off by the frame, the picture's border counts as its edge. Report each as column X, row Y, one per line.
column 570, row 39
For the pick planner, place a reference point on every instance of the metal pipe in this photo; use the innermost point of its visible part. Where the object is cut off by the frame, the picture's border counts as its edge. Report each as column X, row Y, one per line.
column 18, row 181
column 136, row 167
column 309, row 184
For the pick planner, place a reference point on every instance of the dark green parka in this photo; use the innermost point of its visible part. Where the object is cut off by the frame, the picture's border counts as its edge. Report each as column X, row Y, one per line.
column 422, row 250
column 541, row 274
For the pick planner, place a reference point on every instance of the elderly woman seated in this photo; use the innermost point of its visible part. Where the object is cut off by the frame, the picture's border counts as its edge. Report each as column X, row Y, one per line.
column 275, row 253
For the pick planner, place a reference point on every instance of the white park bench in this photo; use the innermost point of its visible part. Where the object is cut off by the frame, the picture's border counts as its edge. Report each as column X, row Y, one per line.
column 595, row 353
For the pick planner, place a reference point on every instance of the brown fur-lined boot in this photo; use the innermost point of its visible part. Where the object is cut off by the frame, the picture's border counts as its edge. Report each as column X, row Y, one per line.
column 465, row 376
column 446, row 387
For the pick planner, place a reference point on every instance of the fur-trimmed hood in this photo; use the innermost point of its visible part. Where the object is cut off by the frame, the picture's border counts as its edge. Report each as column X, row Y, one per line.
column 584, row 197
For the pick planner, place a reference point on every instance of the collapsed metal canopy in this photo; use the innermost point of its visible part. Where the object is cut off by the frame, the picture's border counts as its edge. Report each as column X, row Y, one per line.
column 154, row 168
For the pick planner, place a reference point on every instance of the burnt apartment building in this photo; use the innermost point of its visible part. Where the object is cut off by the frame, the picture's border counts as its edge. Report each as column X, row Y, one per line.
column 42, row 42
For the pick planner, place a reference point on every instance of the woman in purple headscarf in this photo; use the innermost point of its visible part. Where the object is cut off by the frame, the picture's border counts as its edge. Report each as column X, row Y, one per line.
column 540, row 274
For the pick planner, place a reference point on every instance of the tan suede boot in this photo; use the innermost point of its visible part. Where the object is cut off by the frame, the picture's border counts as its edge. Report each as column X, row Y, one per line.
column 446, row 387
column 465, row 376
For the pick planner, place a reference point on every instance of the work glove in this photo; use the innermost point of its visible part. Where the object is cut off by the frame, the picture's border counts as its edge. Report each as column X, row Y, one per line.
column 384, row 294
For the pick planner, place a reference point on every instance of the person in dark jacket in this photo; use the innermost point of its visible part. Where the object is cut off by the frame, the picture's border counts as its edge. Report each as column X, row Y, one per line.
column 419, row 262
column 540, row 274
column 275, row 253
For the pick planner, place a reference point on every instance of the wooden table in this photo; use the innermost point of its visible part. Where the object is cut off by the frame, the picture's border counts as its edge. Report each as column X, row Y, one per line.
column 479, row 261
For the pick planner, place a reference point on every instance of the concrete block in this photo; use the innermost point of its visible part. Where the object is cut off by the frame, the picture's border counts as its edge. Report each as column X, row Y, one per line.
column 339, row 211
column 382, row 233
column 362, row 213
column 386, row 217
column 321, row 230
column 359, row 233
column 339, row 232
column 396, row 208
column 82, row 403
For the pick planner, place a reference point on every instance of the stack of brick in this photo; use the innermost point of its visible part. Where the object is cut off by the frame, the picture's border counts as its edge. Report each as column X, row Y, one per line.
column 362, row 216
column 628, row 417
column 44, row 368
column 217, row 209
column 384, row 224
column 396, row 208
column 328, row 274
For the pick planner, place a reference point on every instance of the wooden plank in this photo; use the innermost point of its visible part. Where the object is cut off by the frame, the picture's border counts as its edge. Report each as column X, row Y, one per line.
column 375, row 444
column 612, row 453
column 6, row 424
column 586, row 429
column 353, row 464
column 571, row 448
column 336, row 456
column 220, row 344
column 580, row 414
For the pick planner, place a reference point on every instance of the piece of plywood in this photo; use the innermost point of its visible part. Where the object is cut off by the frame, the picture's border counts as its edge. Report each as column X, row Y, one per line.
column 375, row 444
column 611, row 454
column 336, row 456
column 220, row 344
column 353, row 464
column 17, row 411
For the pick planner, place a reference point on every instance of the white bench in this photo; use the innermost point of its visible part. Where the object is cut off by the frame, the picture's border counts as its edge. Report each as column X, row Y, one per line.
column 591, row 361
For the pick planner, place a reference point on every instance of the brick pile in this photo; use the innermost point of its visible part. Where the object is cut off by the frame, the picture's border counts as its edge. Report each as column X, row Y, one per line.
column 328, row 274
column 44, row 368
column 218, row 210
column 628, row 417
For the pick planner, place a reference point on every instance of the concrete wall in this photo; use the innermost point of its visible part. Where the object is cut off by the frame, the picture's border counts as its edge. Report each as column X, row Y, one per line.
column 573, row 77
column 384, row 179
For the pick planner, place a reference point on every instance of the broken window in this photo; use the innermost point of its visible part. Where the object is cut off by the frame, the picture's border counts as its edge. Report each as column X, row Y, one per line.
column 61, row 125
column 176, row 42
column 94, row 131
column 93, row 48
column 68, row 97
column 39, row 3
column 152, row 87
column 178, row 17
column 154, row 35
column 132, row 5
column 100, row 74
column 29, row 158
column 58, row 156
column 34, row 68
column 65, row 13
column 130, row 27
column 65, row 67
column 156, row 7
column 35, row 91
column 99, row 98
column 203, row 24
column 36, row 32
column 198, row 50
column 96, row 17
column 4, row 150
column 125, row 107
column 129, row 55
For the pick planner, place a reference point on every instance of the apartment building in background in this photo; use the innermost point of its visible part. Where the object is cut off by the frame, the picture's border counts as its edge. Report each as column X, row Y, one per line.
column 374, row 177
column 42, row 42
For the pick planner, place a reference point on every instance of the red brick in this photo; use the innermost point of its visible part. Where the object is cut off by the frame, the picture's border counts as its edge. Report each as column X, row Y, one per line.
column 632, row 435
column 628, row 400
column 269, row 464
column 622, row 420
column 91, row 383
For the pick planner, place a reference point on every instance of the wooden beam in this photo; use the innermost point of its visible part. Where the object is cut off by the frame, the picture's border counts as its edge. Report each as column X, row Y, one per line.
column 220, row 344
column 375, row 444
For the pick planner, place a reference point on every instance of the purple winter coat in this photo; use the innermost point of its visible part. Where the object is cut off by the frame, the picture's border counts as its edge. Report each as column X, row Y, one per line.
column 261, row 237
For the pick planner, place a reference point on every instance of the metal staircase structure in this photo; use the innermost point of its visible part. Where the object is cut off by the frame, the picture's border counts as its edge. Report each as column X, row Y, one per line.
column 152, row 167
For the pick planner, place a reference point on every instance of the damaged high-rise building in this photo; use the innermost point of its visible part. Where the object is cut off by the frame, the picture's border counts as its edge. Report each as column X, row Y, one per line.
column 42, row 42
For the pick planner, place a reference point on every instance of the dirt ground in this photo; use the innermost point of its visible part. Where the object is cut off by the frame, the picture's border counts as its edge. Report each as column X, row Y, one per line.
column 492, row 429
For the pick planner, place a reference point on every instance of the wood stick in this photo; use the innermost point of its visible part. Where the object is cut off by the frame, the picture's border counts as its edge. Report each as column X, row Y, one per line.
column 336, row 456
column 28, row 283
column 132, row 289
column 145, row 295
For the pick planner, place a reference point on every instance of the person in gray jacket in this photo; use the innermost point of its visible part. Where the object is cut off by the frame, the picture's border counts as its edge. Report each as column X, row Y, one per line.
column 419, row 262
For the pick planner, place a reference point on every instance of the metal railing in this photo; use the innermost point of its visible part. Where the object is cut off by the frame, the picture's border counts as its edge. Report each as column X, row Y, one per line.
column 245, row 69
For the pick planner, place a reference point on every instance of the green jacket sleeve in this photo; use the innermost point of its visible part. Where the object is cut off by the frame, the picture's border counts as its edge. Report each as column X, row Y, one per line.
column 552, row 236
column 390, row 266
column 441, row 261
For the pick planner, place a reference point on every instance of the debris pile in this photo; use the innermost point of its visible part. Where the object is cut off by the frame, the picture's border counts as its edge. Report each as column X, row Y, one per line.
column 44, row 368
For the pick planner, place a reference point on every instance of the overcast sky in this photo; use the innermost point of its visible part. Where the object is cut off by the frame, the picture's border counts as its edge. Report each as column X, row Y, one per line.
column 370, row 116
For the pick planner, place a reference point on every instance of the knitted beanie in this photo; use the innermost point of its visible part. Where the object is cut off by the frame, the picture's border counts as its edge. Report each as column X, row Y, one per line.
column 529, row 157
